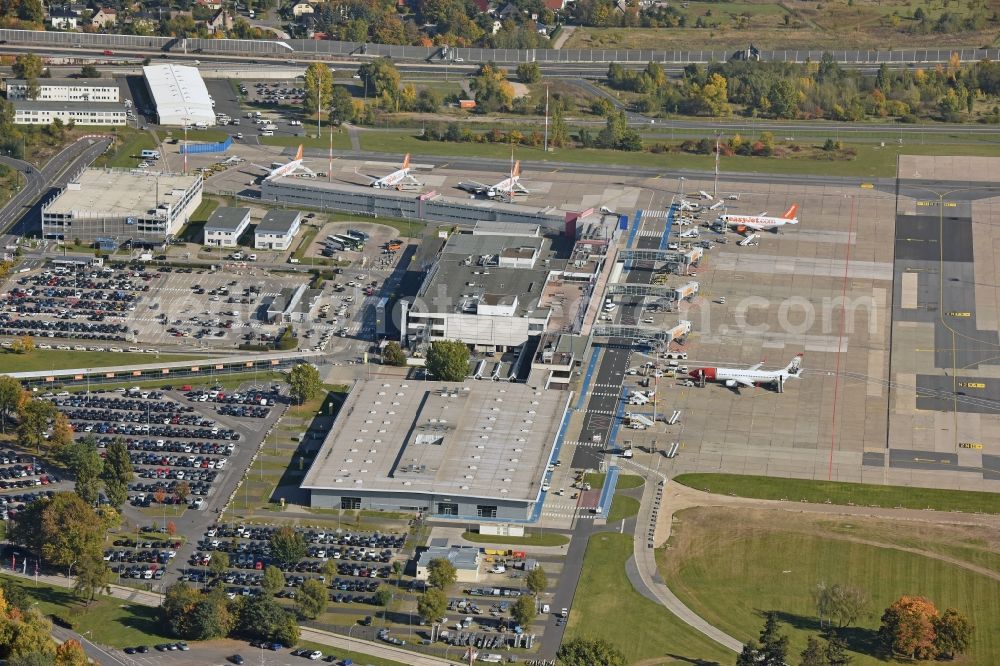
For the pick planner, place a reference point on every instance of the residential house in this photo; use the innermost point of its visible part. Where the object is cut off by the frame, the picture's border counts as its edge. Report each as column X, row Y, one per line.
column 302, row 8
column 510, row 9
column 209, row 4
column 221, row 21
column 62, row 18
column 105, row 17
column 555, row 5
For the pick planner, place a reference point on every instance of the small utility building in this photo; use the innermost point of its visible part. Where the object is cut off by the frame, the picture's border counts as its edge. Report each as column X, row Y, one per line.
column 226, row 225
column 464, row 558
column 277, row 230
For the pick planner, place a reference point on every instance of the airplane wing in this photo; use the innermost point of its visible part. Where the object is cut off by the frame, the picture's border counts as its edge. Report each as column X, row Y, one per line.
column 751, row 225
column 472, row 186
column 755, row 367
column 371, row 179
column 762, row 213
column 745, row 382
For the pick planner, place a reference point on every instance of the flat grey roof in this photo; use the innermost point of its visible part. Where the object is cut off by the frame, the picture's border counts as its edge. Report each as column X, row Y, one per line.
column 518, row 229
column 472, row 439
column 120, row 192
column 227, row 219
column 463, row 557
column 278, row 221
column 466, row 244
column 56, row 105
column 69, row 83
column 492, row 284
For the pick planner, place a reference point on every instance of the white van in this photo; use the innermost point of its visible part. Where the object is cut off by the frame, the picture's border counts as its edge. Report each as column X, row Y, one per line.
column 267, row 133
column 150, row 154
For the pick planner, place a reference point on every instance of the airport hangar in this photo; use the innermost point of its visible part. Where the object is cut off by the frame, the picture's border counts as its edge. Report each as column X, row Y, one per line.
column 471, row 450
column 179, row 94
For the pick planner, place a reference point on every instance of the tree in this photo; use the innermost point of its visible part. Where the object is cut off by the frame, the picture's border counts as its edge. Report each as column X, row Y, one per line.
column 33, row 416
column 31, row 635
column 441, row 573
column 319, row 88
column 273, row 580
column 493, row 91
column 379, row 76
column 92, row 576
column 341, row 105
column 23, row 344
column 393, row 354
column 908, row 628
column 304, row 382
column 182, row 490
column 843, row 604
column 209, row 618
column 63, row 528
column 31, row 11
column 529, row 72
column 71, row 653
column 287, row 546
column 10, row 395
column 773, row 645
column 558, row 133
column 85, row 464
column 432, row 604
column 749, row 655
column 311, row 600
column 813, row 655
column 954, row 633
column 588, row 652
column 90, row 72
column 448, row 360
column 836, row 652
column 62, row 433
column 524, row 610
column 383, row 595
column 178, row 606
column 261, row 617
column 117, row 472
column 219, row 563
column 28, row 66
column 536, row 580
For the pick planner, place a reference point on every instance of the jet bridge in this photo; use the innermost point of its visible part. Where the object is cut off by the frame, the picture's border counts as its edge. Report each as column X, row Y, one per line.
column 674, row 293
column 677, row 332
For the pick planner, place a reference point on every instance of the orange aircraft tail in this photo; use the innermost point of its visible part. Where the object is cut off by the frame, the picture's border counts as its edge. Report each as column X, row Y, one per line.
column 516, row 171
column 298, row 154
column 406, row 161
column 790, row 213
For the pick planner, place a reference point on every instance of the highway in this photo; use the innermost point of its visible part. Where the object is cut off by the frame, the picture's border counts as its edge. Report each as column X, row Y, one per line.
column 56, row 172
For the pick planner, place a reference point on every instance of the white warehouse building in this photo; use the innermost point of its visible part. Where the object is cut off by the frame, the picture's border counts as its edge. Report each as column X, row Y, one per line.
column 66, row 90
column 180, row 95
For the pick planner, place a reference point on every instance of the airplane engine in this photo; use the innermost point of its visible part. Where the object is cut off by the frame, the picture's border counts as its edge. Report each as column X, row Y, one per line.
column 741, row 229
column 730, row 383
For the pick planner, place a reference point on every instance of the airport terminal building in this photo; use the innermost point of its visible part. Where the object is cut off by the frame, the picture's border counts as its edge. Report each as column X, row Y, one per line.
column 473, row 450
column 484, row 289
column 122, row 205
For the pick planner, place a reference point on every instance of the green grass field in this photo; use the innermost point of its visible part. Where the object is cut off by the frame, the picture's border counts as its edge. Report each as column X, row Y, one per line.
column 606, row 606
column 109, row 621
column 535, row 538
column 60, row 359
column 761, row 487
column 625, row 481
column 127, row 155
column 622, row 507
column 341, row 140
column 730, row 566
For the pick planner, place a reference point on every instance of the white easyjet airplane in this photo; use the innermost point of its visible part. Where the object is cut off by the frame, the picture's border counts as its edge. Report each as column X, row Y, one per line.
column 505, row 190
column 753, row 376
column 399, row 179
column 287, row 169
column 760, row 222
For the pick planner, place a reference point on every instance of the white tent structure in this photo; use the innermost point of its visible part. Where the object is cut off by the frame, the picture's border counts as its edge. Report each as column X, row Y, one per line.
column 180, row 95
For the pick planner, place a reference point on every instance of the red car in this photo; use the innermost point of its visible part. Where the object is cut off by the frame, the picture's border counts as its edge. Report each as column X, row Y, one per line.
column 109, row 52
